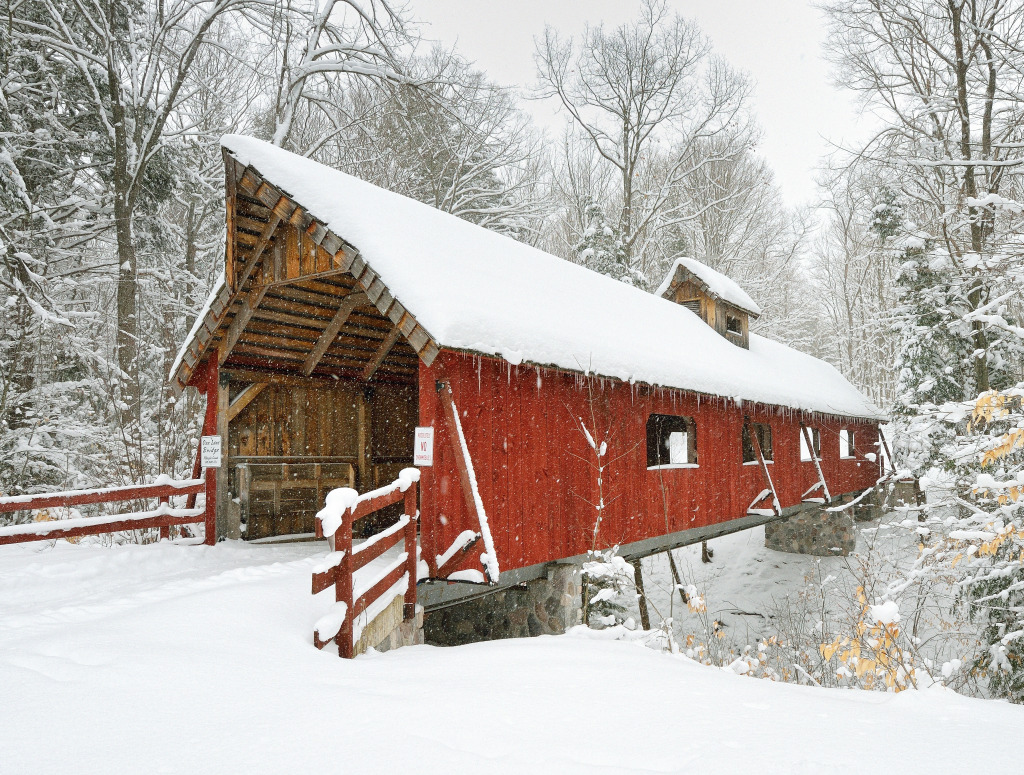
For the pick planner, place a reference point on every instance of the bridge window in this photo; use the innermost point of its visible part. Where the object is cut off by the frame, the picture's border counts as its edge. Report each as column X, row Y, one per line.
column 763, row 433
column 671, row 441
column 846, row 447
column 805, row 454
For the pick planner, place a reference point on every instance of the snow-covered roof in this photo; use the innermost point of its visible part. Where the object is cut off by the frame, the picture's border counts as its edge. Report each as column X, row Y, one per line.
column 478, row 291
column 717, row 284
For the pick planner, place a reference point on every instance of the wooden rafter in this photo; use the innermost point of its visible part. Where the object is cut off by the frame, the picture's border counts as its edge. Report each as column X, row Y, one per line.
column 382, row 353
column 281, row 211
column 330, row 333
column 245, row 398
column 257, row 199
column 246, row 311
column 306, row 278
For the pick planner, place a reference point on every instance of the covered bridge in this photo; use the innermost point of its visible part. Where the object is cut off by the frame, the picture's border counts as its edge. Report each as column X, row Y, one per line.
column 347, row 316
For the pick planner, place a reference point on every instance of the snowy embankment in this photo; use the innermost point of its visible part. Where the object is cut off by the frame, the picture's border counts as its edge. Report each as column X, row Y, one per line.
column 170, row 659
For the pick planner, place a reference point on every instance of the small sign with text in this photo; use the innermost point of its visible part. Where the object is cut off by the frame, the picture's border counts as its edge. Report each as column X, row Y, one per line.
column 209, row 455
column 423, row 449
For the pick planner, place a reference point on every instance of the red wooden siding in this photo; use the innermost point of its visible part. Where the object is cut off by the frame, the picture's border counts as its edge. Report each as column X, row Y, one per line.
column 532, row 461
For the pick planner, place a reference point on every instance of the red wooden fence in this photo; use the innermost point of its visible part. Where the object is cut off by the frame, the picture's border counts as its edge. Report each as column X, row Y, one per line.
column 162, row 517
column 341, row 565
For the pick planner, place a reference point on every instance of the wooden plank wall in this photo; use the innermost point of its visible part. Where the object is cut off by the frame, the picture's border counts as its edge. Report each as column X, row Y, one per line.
column 715, row 312
column 295, row 434
column 533, row 462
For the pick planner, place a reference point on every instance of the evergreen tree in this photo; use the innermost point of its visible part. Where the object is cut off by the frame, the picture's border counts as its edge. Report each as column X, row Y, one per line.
column 608, row 581
column 933, row 363
column 601, row 248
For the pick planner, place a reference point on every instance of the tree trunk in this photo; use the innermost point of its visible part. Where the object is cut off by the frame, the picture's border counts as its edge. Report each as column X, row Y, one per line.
column 127, row 341
column 975, row 296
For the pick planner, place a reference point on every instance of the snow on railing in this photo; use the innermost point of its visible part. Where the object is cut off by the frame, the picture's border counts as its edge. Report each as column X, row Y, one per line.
column 353, row 609
column 376, row 538
column 345, row 499
column 44, row 500
column 163, row 517
column 44, row 529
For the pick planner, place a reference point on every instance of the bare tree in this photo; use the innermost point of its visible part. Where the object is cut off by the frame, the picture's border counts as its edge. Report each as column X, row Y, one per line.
column 577, row 180
column 945, row 78
column 145, row 88
column 648, row 96
column 744, row 230
column 134, row 62
column 325, row 43
column 855, row 272
column 451, row 139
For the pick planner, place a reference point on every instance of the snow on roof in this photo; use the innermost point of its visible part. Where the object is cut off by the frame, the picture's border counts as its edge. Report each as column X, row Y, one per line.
column 725, row 288
column 218, row 284
column 476, row 290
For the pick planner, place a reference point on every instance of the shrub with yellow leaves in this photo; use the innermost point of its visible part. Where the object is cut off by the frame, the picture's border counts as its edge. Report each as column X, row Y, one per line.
column 874, row 654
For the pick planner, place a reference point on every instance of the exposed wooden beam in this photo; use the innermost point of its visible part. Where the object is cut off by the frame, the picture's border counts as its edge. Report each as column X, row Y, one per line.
column 349, row 304
column 307, row 277
column 254, row 371
column 245, row 398
column 282, row 210
column 382, row 353
column 244, row 314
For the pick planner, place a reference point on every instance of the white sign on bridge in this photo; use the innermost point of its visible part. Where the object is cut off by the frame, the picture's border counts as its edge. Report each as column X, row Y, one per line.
column 209, row 454
column 423, row 449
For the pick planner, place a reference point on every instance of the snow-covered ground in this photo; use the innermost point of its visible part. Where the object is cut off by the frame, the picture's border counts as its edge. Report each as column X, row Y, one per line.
column 173, row 659
column 745, row 583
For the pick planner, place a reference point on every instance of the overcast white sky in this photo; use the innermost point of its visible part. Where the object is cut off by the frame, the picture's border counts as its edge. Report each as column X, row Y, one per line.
column 778, row 42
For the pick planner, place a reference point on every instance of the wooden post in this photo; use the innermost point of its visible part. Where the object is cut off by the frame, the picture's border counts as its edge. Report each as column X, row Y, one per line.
column 197, row 471
column 223, row 496
column 209, row 428
column 165, row 530
column 888, row 455
column 448, row 415
column 638, row 579
column 343, row 589
column 410, row 548
column 677, row 579
column 364, row 460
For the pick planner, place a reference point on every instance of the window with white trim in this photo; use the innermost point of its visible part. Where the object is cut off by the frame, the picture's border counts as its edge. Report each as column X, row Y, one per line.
column 846, row 444
column 805, row 454
column 671, row 441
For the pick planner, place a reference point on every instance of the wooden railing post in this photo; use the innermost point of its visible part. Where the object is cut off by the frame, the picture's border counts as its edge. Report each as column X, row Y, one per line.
column 343, row 589
column 344, row 561
column 165, row 530
column 410, row 548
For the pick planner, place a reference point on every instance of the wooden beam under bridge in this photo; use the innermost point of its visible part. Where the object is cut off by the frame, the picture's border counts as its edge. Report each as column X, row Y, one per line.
column 434, row 595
